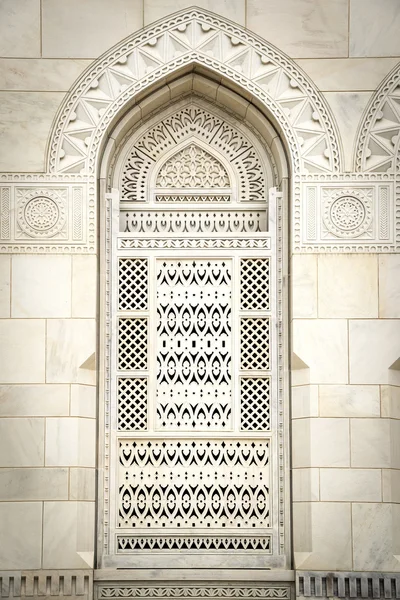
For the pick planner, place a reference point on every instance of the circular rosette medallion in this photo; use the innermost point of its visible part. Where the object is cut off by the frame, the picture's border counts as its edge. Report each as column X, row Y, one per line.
column 348, row 214
column 42, row 213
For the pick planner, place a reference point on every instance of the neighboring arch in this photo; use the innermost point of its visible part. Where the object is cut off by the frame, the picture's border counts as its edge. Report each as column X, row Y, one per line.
column 378, row 140
column 190, row 39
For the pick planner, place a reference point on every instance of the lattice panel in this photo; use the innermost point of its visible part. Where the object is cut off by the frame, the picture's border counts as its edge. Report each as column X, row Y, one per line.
column 132, row 343
column 133, row 284
column 255, row 403
column 199, row 221
column 254, row 284
column 192, row 167
column 254, row 343
column 209, row 542
column 132, row 404
column 194, row 484
column 194, row 344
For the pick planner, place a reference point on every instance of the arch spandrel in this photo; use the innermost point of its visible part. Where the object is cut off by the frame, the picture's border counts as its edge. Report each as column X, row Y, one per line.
column 194, row 37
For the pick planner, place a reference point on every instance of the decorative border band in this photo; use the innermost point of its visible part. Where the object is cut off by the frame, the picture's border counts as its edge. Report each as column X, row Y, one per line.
column 320, row 584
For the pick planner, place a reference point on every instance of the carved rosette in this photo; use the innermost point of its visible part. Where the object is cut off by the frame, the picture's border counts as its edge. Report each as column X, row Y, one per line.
column 348, row 213
column 41, row 213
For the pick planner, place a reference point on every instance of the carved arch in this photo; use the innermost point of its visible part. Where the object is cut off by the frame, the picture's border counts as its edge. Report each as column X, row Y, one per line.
column 200, row 38
column 378, row 140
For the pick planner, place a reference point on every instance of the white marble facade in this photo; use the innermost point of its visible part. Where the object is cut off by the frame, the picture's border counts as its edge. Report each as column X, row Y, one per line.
column 327, row 77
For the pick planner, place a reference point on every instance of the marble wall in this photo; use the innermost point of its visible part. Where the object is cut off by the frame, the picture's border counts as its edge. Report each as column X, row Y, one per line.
column 345, row 307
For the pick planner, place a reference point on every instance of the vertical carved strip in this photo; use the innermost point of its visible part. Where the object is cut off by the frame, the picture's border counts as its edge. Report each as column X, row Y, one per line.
column 384, row 225
column 397, row 214
column 311, row 214
column 77, row 213
column 5, row 224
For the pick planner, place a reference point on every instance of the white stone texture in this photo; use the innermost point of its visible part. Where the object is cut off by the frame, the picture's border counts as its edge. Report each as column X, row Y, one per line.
column 70, row 442
column 371, row 443
column 21, row 442
column 84, row 286
column 374, row 346
column 374, row 28
column 41, row 286
column 349, row 401
column 70, row 342
column 390, row 401
column 22, row 351
column 83, row 401
column 299, row 27
column 20, row 535
column 389, row 286
column 347, row 109
column 304, row 286
column 305, row 485
column 347, row 286
column 82, row 484
column 235, row 10
column 320, row 443
column 304, row 401
column 33, row 484
column 34, row 400
column 20, row 28
column 347, row 74
column 322, row 345
column 26, row 119
column 87, row 29
column 350, row 485
column 391, row 485
column 376, row 537
column 40, row 74
column 68, row 535
column 5, row 275
column 322, row 535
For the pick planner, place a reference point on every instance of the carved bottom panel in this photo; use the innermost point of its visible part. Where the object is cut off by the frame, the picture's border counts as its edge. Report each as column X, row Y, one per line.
column 320, row 584
column 75, row 585
column 130, row 590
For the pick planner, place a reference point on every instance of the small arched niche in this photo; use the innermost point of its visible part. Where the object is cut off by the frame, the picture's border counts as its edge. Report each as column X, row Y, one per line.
column 194, row 326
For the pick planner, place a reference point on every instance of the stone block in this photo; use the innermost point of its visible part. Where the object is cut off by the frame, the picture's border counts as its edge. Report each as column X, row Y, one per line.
column 320, row 443
column 348, row 108
column 304, row 286
column 70, row 442
column 322, row 345
column 376, row 537
column 41, row 286
column 84, row 286
column 40, row 75
column 22, row 351
column 82, row 484
column 87, row 29
column 382, row 22
column 349, row 401
column 389, row 286
column 322, row 536
column 26, row 119
column 391, row 485
column 20, row 28
column 304, row 401
column 33, row 484
column 299, row 27
column 374, row 347
column 305, row 485
column 347, row 75
column 68, row 535
column 5, row 277
column 34, row 400
column 20, row 535
column 347, row 286
column 390, row 401
column 157, row 9
column 21, row 442
column 370, row 443
column 351, row 485
column 70, row 342
column 83, row 401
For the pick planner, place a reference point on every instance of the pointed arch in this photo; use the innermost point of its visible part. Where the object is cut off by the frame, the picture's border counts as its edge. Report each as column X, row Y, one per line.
column 378, row 140
column 194, row 37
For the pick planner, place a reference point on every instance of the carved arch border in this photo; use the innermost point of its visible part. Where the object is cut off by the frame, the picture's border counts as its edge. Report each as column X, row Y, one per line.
column 378, row 139
column 194, row 37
